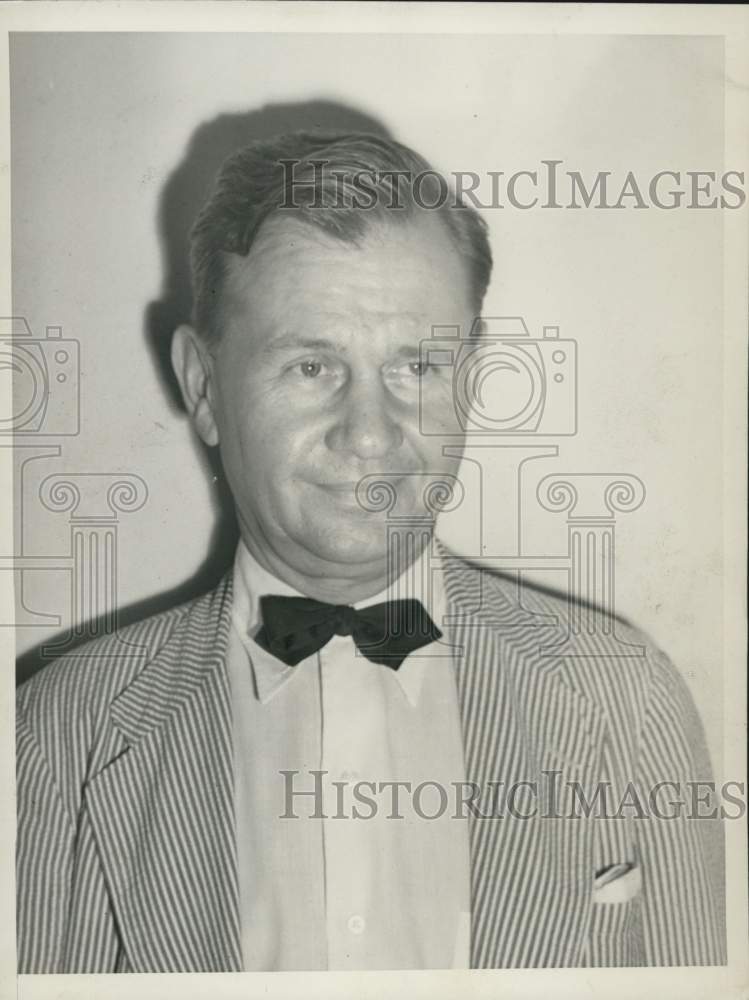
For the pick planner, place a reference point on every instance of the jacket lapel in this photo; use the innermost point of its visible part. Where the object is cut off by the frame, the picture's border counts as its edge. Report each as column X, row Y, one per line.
column 163, row 811
column 530, row 874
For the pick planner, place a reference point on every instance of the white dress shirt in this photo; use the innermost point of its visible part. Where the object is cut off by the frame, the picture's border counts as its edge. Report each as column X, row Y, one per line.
column 341, row 892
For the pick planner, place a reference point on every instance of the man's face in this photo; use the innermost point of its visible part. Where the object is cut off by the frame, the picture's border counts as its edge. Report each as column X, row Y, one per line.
column 316, row 383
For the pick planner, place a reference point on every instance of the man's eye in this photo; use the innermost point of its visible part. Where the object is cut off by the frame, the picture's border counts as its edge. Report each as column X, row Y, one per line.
column 310, row 369
column 418, row 368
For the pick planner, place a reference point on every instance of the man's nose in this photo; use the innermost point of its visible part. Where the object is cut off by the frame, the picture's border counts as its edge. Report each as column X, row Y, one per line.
column 366, row 422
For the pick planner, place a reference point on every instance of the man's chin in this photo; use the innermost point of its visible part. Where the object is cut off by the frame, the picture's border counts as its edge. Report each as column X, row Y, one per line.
column 350, row 544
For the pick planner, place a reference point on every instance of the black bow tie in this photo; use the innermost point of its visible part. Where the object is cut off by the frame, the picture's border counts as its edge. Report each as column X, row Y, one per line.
column 295, row 627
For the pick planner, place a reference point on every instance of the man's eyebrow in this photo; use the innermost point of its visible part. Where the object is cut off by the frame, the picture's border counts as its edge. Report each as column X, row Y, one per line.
column 294, row 340
column 409, row 349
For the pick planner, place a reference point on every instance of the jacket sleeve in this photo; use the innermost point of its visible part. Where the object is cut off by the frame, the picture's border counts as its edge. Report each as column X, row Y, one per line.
column 64, row 922
column 680, row 840
column 45, row 837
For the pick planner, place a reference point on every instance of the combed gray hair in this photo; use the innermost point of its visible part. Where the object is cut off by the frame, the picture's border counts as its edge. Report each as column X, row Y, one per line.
column 321, row 178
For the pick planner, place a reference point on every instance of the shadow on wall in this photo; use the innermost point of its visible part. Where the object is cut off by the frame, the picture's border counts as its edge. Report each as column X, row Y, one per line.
column 184, row 194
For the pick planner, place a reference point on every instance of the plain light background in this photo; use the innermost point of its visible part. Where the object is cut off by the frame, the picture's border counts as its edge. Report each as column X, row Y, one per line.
column 100, row 122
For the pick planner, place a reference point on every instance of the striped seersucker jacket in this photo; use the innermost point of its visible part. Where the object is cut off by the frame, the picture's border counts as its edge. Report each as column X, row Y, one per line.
column 126, row 846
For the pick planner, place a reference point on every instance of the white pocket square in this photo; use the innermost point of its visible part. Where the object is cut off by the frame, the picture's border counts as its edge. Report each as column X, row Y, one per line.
column 617, row 883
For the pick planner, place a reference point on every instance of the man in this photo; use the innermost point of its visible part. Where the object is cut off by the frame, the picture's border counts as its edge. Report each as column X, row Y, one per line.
column 190, row 805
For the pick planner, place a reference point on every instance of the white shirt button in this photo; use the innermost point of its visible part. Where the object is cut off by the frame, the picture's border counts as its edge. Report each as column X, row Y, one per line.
column 357, row 924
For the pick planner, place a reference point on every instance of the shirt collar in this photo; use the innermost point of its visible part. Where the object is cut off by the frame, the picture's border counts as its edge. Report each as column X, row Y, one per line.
column 252, row 581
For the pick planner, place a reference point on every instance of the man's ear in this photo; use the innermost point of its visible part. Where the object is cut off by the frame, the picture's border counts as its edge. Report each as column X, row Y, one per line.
column 193, row 367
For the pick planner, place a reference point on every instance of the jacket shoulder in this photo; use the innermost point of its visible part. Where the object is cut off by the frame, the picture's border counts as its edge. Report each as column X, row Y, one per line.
column 91, row 676
column 607, row 657
column 616, row 668
column 64, row 730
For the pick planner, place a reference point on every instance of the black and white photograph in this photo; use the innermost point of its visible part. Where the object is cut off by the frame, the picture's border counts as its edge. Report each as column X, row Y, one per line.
column 374, row 445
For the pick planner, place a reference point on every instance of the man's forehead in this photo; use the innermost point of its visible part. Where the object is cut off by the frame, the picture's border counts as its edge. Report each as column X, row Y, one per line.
column 294, row 251
column 392, row 267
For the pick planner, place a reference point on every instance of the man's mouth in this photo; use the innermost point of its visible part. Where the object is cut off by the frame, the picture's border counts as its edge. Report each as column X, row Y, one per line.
column 367, row 495
column 343, row 494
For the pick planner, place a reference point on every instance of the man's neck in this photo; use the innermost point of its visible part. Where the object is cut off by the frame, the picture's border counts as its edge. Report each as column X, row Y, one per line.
column 333, row 583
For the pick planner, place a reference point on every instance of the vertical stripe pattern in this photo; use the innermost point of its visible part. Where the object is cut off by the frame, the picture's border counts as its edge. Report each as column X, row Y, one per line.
column 126, row 849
